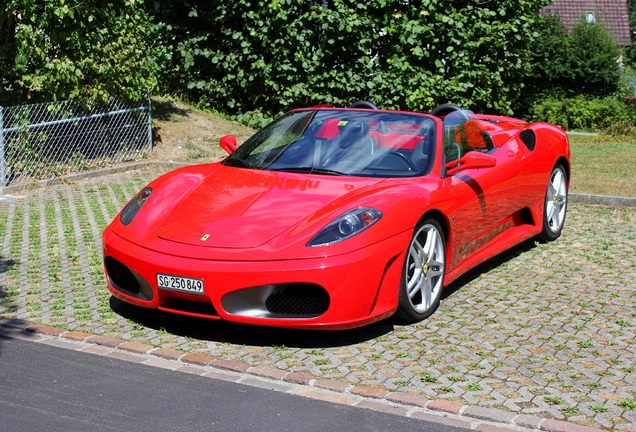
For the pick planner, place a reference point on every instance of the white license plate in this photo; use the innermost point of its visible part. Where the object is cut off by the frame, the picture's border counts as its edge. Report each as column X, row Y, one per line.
column 179, row 283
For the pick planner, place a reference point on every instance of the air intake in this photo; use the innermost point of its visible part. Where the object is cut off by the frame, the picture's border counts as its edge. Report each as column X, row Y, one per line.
column 304, row 300
column 529, row 138
column 121, row 276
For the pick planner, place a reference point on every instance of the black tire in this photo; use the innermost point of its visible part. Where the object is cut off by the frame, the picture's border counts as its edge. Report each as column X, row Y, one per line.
column 555, row 205
column 423, row 273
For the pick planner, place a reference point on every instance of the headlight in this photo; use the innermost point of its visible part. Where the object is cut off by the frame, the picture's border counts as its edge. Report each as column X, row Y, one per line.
column 347, row 225
column 134, row 205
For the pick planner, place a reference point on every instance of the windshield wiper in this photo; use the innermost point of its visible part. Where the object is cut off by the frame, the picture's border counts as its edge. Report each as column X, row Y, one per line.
column 238, row 162
column 311, row 170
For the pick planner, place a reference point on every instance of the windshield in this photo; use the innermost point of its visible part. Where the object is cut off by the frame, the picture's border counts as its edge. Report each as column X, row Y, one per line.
column 342, row 142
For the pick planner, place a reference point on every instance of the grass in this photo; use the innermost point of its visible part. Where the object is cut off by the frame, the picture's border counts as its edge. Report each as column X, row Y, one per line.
column 603, row 165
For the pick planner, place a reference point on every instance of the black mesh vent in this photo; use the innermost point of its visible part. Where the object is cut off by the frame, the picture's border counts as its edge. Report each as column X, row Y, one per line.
column 298, row 299
column 529, row 138
column 121, row 276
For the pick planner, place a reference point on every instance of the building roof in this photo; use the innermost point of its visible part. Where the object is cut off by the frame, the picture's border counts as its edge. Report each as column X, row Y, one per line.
column 612, row 13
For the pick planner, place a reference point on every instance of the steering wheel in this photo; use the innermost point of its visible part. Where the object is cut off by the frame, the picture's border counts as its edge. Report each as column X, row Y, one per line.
column 363, row 104
column 446, row 109
column 404, row 159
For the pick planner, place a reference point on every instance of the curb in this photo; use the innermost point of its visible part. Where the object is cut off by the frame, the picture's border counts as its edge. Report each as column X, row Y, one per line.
column 606, row 200
column 443, row 411
column 574, row 198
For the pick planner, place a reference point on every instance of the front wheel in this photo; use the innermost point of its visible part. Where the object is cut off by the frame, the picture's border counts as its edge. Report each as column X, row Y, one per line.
column 556, row 202
column 423, row 273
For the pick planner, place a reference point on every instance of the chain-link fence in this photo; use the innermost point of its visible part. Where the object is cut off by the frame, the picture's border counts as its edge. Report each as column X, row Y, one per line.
column 47, row 140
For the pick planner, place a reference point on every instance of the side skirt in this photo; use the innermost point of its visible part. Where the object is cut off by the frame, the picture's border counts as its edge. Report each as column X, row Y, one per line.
column 509, row 238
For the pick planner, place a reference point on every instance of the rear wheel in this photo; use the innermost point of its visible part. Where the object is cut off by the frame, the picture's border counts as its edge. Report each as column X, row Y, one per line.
column 423, row 273
column 555, row 207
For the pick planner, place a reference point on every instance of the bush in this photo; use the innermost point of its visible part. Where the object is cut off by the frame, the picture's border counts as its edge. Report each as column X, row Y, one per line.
column 272, row 55
column 608, row 115
column 76, row 49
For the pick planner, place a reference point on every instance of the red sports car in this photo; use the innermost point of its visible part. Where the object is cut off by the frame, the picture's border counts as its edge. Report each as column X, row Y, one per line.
column 339, row 217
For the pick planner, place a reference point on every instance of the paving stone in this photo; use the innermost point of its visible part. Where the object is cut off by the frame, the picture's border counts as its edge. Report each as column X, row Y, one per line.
column 106, row 341
column 561, row 426
column 23, row 335
column 407, row 399
column 489, row 414
column 197, row 358
column 528, row 421
column 445, row 405
column 222, row 375
column 14, row 323
column 299, row 378
column 94, row 349
column 374, row 392
column 167, row 353
column 136, row 347
column 334, row 385
column 44, row 329
column 267, row 372
column 535, row 330
column 77, row 335
column 162, row 363
column 233, row 365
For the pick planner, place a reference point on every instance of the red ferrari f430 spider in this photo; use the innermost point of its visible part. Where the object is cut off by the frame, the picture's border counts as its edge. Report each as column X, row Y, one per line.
column 339, row 217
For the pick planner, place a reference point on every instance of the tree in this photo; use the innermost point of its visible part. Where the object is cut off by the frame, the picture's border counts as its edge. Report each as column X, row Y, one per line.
column 583, row 63
column 550, row 64
column 595, row 60
column 74, row 49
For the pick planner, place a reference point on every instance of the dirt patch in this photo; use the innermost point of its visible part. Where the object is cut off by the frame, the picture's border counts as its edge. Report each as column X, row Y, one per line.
column 182, row 133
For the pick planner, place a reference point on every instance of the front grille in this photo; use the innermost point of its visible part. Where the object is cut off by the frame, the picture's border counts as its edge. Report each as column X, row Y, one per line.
column 121, row 276
column 306, row 300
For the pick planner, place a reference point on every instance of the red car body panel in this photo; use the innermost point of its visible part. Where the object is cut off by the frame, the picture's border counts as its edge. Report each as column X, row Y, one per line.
column 244, row 233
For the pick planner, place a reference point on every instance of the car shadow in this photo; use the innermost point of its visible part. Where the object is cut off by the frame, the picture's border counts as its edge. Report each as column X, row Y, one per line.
column 240, row 334
column 487, row 266
column 227, row 332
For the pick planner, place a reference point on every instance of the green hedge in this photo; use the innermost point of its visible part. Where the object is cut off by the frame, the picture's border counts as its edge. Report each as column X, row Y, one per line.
column 610, row 115
column 272, row 55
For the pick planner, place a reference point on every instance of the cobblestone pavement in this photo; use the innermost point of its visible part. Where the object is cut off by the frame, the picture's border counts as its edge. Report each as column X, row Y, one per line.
column 544, row 329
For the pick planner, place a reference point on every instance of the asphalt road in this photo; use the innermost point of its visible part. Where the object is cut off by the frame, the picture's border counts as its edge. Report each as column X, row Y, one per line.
column 43, row 387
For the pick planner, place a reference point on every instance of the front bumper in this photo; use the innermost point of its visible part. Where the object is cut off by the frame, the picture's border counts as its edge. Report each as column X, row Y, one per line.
column 337, row 292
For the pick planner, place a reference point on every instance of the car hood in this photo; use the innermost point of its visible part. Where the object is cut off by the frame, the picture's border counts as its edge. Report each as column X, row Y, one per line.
column 244, row 208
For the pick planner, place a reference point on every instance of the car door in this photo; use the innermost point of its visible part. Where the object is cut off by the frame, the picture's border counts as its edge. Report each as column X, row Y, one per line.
column 485, row 197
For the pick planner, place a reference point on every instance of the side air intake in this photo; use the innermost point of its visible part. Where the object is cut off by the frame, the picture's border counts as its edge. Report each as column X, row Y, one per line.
column 529, row 138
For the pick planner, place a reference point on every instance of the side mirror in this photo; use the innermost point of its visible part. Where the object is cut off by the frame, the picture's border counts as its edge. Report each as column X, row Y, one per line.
column 472, row 159
column 228, row 143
